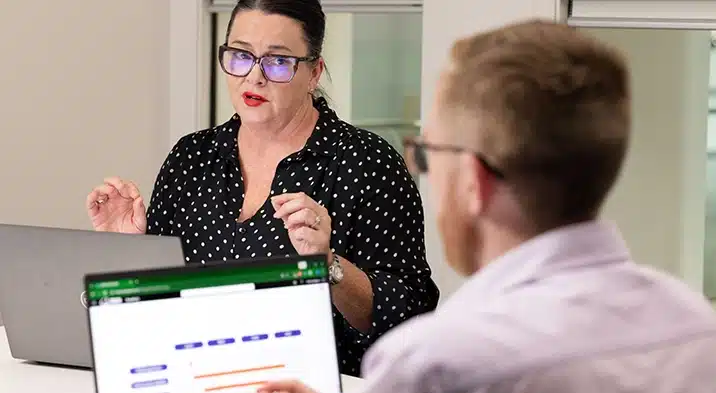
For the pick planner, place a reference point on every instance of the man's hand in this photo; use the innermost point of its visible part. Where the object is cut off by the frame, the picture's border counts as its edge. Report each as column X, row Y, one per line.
column 291, row 386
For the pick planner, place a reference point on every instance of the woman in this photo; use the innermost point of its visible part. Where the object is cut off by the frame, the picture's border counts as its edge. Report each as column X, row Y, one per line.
column 285, row 175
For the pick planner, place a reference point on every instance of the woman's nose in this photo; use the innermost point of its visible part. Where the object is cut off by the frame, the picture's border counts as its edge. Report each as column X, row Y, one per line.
column 256, row 76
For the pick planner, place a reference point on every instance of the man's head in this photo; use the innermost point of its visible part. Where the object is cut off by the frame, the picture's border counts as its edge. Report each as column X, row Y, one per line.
column 538, row 115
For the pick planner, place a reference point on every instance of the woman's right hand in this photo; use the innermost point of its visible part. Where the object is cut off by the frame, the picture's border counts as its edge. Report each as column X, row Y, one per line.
column 117, row 206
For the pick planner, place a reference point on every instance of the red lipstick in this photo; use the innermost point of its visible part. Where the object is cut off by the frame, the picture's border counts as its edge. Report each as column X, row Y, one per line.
column 253, row 99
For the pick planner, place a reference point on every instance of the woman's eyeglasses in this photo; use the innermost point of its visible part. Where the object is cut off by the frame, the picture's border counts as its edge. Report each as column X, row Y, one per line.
column 275, row 68
column 417, row 159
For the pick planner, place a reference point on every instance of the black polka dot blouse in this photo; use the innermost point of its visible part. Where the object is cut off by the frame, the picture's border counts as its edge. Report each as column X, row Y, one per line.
column 375, row 207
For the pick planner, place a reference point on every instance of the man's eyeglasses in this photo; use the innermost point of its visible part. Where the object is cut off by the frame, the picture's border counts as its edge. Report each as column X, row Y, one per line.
column 417, row 159
column 275, row 68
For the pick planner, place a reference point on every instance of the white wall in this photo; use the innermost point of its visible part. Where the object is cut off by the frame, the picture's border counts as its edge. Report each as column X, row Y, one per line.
column 224, row 109
column 338, row 53
column 441, row 26
column 188, row 68
column 84, row 92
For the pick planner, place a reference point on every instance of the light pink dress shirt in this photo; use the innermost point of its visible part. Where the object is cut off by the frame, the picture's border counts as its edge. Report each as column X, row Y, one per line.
column 567, row 312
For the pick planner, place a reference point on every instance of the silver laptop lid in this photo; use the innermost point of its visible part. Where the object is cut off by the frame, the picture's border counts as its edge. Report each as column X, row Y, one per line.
column 41, row 287
column 221, row 327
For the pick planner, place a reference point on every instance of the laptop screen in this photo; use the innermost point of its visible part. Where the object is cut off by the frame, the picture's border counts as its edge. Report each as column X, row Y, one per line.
column 222, row 328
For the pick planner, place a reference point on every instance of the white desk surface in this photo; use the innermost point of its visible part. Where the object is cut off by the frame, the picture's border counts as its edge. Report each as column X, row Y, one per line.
column 19, row 376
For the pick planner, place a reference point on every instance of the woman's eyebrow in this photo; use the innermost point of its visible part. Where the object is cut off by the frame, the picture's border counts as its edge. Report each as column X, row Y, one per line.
column 270, row 47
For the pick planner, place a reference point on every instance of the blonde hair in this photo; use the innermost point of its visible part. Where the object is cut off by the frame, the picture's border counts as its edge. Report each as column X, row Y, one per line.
column 552, row 112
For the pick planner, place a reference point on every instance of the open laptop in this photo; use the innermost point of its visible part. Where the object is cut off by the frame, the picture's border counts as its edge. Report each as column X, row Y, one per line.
column 214, row 328
column 41, row 284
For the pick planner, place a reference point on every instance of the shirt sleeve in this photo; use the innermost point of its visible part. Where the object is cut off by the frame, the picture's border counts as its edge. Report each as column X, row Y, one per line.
column 388, row 244
column 162, row 205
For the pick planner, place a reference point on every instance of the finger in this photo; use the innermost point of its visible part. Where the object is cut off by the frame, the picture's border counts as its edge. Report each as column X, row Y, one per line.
column 91, row 202
column 287, row 386
column 139, row 212
column 126, row 189
column 296, row 204
column 278, row 200
column 98, row 195
column 290, row 207
column 133, row 190
column 303, row 217
column 115, row 182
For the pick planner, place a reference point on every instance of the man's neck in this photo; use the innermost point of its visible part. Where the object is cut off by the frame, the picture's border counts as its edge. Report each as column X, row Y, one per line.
column 497, row 241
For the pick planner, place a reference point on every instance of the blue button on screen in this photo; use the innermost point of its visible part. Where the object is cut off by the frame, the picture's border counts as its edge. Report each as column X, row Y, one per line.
column 149, row 384
column 255, row 337
column 288, row 333
column 188, row 345
column 148, row 369
column 222, row 341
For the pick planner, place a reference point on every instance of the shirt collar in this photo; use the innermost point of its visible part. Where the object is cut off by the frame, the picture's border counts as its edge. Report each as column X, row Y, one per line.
column 324, row 140
column 571, row 247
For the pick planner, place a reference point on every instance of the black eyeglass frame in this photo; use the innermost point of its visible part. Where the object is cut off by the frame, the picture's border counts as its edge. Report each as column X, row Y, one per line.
column 421, row 159
column 257, row 59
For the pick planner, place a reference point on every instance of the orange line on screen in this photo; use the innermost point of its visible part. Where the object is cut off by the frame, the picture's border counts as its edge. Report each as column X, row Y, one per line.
column 241, row 371
column 238, row 385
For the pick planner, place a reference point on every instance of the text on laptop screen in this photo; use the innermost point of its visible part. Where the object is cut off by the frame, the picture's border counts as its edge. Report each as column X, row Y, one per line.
column 223, row 328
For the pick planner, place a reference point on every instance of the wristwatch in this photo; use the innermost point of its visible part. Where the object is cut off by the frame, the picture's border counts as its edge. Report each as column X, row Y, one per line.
column 335, row 271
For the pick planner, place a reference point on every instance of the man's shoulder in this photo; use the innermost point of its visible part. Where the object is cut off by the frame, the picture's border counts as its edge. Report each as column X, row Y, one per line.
column 474, row 341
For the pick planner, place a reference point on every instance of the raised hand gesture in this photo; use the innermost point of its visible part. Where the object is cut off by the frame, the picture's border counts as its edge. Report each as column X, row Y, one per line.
column 117, row 206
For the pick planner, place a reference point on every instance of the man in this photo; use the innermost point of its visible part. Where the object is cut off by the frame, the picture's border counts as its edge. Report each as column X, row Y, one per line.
column 527, row 136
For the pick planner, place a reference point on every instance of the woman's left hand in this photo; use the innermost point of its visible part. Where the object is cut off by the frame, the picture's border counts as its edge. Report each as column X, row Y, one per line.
column 308, row 223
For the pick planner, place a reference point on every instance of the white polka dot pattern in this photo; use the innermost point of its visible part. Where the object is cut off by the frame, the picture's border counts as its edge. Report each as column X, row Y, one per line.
column 374, row 204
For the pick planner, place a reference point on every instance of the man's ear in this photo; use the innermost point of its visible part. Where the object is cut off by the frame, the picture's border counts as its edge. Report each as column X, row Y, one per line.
column 476, row 184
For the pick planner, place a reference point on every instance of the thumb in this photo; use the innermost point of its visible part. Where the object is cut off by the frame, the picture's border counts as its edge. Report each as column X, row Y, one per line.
column 290, row 386
column 139, row 214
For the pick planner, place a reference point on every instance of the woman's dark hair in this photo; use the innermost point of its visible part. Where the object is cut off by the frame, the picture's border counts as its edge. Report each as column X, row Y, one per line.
column 308, row 13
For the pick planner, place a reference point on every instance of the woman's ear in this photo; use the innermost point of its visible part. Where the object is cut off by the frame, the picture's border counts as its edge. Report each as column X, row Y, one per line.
column 316, row 72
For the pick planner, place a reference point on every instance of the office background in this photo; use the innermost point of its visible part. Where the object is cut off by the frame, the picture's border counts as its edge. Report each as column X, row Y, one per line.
column 91, row 89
